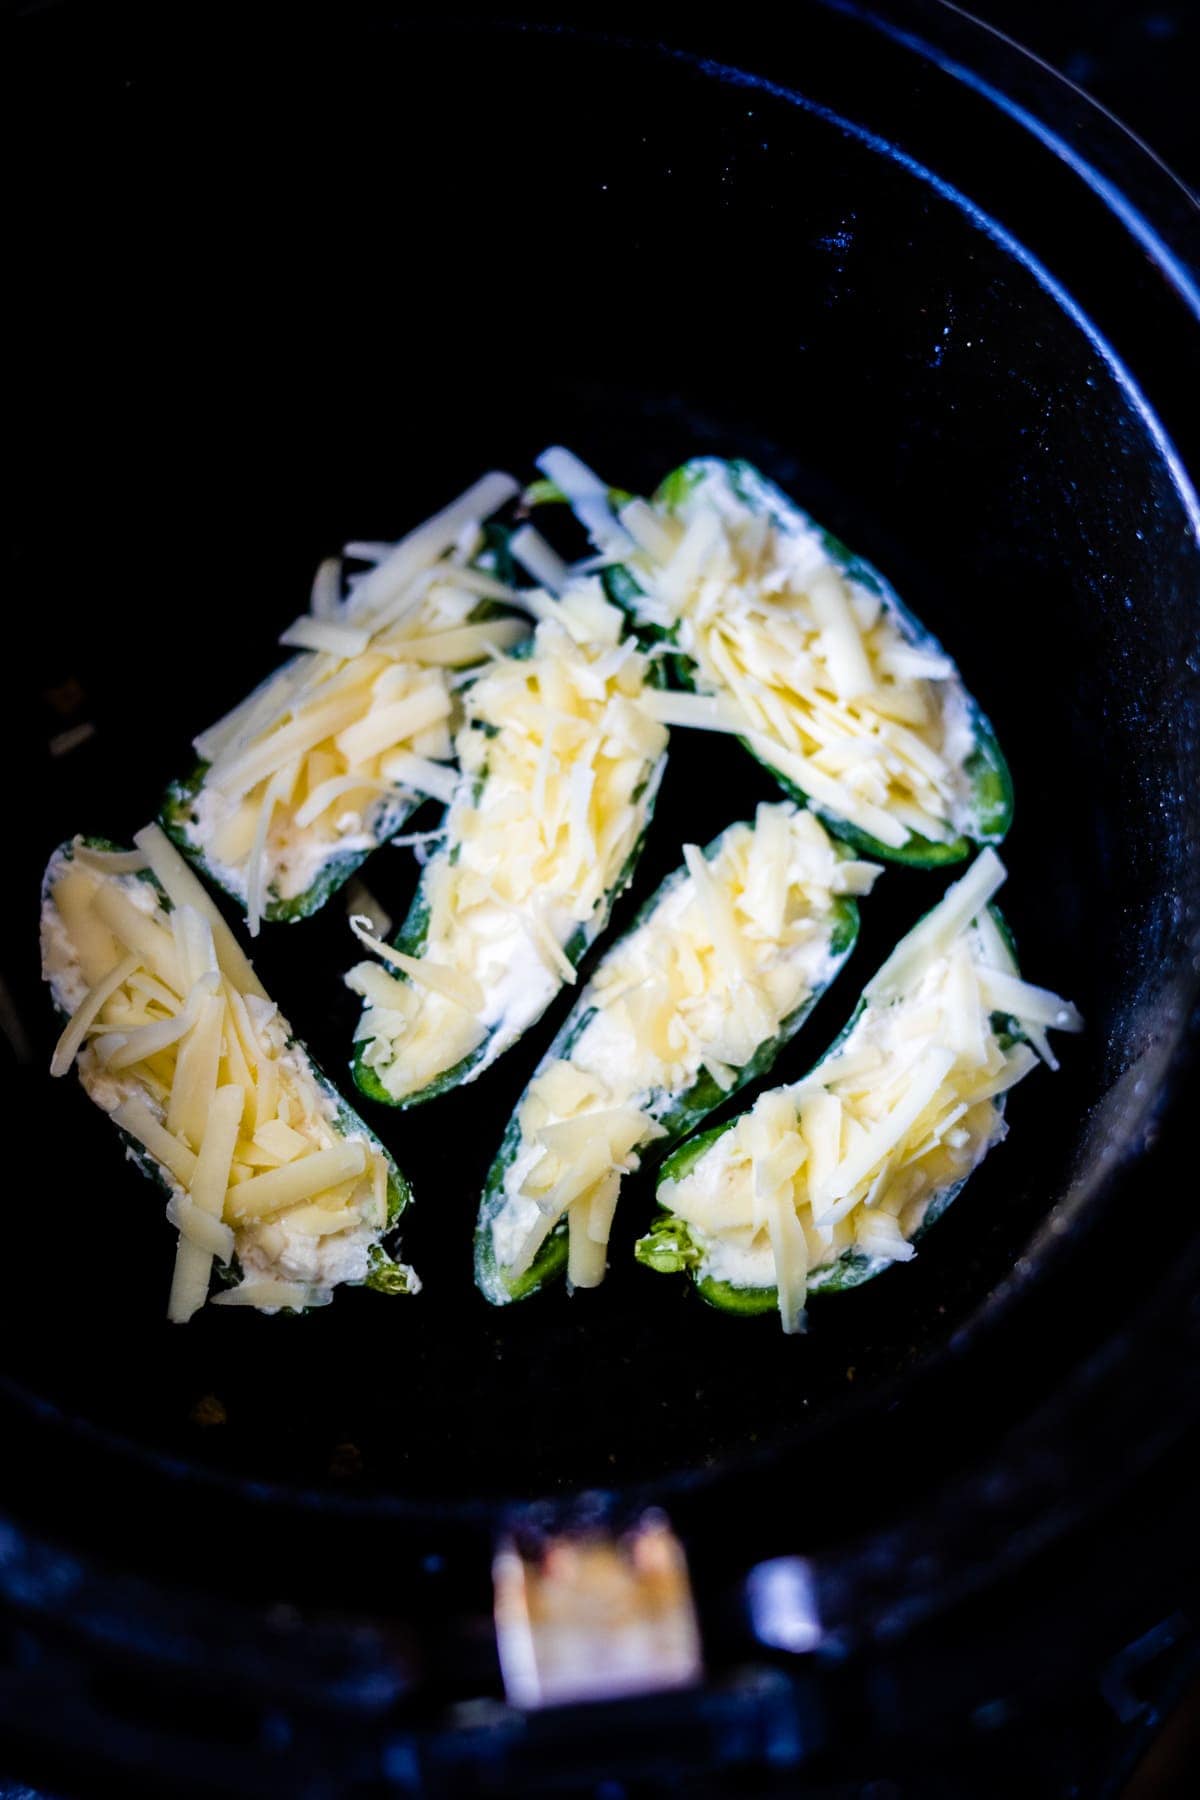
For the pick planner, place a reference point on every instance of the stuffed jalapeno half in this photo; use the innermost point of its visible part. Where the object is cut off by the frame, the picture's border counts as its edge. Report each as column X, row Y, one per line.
column 823, row 1184
column 328, row 758
column 559, row 771
column 807, row 654
column 719, row 970
column 269, row 1175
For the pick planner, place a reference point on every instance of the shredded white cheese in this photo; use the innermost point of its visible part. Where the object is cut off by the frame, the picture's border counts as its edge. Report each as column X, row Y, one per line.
column 173, row 1035
column 559, row 770
column 824, row 677
column 849, row 1159
column 735, row 945
column 331, row 754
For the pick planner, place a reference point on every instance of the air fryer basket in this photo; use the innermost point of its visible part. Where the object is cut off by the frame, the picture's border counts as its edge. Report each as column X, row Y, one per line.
column 279, row 292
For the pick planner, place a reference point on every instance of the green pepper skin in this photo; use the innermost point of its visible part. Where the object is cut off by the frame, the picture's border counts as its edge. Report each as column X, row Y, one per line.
column 384, row 1273
column 678, row 1115
column 668, row 1247
column 544, row 492
column 991, row 782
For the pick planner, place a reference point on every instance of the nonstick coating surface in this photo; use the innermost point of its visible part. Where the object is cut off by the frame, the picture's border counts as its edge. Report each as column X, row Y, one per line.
column 264, row 314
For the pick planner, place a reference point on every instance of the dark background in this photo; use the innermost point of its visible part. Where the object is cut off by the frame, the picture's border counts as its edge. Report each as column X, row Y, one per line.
column 1140, row 61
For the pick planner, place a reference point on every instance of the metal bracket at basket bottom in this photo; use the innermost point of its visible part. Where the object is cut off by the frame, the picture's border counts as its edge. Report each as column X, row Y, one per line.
column 586, row 1616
